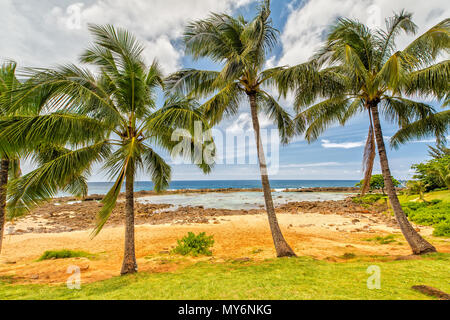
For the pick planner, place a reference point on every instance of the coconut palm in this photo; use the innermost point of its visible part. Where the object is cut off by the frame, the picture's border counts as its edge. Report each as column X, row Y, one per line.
column 240, row 46
column 360, row 70
column 108, row 117
column 10, row 167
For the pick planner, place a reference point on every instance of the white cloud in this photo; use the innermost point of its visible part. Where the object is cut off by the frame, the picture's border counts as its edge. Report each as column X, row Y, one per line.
column 44, row 33
column 327, row 144
column 427, row 140
column 306, row 25
column 243, row 123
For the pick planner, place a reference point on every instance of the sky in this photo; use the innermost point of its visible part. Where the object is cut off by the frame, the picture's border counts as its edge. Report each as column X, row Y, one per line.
column 49, row 32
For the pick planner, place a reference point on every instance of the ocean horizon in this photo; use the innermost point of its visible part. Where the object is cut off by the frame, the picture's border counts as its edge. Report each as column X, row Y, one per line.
column 103, row 187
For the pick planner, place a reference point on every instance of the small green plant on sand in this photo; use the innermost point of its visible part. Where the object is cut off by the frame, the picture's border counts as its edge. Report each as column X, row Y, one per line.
column 348, row 256
column 195, row 245
column 383, row 240
column 64, row 254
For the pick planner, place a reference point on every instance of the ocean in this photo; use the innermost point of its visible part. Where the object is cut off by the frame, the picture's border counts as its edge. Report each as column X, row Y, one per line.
column 103, row 187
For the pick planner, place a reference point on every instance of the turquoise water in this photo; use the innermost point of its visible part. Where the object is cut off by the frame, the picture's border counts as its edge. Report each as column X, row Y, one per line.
column 103, row 187
column 234, row 200
column 237, row 200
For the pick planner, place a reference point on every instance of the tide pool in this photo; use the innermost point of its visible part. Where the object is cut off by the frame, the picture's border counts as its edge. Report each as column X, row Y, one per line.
column 237, row 200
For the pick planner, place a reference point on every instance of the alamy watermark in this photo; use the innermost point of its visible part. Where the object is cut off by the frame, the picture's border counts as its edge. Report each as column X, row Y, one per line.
column 74, row 281
column 374, row 281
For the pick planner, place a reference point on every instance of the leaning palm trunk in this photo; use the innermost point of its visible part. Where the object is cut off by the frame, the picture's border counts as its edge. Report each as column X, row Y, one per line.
column 129, row 260
column 281, row 246
column 3, row 182
column 418, row 244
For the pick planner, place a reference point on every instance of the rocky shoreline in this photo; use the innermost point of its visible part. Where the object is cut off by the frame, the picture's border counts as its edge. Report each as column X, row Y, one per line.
column 146, row 193
column 64, row 215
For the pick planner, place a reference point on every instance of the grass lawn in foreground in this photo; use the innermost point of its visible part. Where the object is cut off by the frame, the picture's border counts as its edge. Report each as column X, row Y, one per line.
column 287, row 278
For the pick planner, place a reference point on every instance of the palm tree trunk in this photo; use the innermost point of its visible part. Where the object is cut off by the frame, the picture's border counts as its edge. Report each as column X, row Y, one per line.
column 281, row 246
column 3, row 182
column 418, row 244
column 129, row 259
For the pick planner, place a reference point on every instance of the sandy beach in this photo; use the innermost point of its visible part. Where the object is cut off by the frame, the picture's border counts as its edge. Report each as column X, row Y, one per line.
column 325, row 230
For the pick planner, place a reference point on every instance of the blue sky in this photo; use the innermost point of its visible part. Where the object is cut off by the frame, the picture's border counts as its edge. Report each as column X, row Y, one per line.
column 59, row 35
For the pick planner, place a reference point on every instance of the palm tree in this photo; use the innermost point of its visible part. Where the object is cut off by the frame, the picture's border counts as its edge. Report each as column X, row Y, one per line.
column 108, row 117
column 10, row 167
column 359, row 70
column 241, row 47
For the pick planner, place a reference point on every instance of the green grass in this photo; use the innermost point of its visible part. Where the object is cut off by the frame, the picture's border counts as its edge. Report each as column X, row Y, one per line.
column 64, row 254
column 287, row 278
column 435, row 195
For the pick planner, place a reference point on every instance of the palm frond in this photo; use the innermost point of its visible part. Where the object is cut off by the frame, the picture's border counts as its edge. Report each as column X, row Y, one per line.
column 430, row 82
column 217, row 37
column 320, row 116
column 426, row 48
column 401, row 21
column 159, row 170
column 27, row 132
column 435, row 125
column 223, row 103
column 55, row 175
column 109, row 202
column 368, row 159
column 191, row 82
column 277, row 114
column 404, row 111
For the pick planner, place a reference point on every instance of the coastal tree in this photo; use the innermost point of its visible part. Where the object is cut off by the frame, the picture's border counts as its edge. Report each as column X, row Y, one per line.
column 360, row 70
column 240, row 47
column 108, row 116
column 434, row 173
column 416, row 187
column 10, row 165
column 377, row 183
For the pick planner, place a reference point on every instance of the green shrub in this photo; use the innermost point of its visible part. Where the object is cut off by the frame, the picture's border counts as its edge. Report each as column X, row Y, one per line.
column 431, row 215
column 368, row 199
column 434, row 213
column 63, row 254
column 195, row 245
column 411, row 207
column 442, row 229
